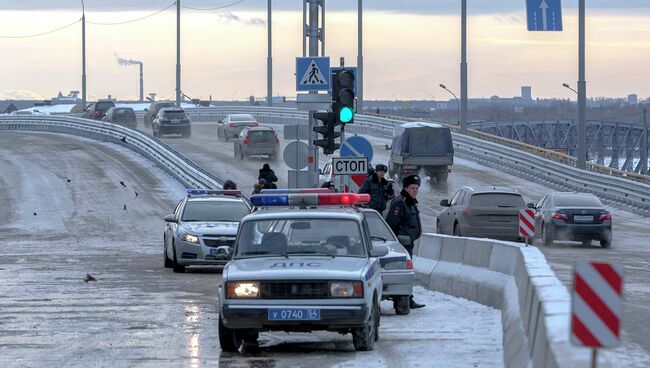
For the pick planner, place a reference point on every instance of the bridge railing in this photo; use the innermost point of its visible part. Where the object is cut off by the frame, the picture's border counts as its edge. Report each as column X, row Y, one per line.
column 164, row 156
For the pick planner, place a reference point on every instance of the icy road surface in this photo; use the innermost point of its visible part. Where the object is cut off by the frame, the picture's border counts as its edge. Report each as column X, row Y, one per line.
column 62, row 216
column 630, row 245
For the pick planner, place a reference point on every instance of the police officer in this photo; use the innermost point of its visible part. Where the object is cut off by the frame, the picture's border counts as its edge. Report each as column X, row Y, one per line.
column 380, row 189
column 404, row 217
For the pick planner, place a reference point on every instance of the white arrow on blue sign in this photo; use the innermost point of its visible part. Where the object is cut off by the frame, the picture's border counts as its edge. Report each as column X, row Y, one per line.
column 357, row 146
column 544, row 15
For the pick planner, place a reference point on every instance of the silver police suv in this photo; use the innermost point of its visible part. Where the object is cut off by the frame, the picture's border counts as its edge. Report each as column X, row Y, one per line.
column 202, row 229
column 302, row 268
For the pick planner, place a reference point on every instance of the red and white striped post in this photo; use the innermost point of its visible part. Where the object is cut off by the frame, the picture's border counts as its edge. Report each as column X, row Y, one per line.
column 597, row 303
column 527, row 224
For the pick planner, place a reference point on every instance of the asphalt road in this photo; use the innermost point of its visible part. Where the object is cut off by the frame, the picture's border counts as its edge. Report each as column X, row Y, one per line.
column 631, row 242
column 62, row 216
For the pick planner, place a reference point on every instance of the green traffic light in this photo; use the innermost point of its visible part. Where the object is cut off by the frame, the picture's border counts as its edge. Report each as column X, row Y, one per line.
column 346, row 114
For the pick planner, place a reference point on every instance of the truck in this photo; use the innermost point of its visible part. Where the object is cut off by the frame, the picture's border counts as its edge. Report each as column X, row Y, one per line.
column 420, row 147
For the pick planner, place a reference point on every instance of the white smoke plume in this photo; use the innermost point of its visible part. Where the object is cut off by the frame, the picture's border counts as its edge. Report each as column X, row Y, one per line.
column 123, row 61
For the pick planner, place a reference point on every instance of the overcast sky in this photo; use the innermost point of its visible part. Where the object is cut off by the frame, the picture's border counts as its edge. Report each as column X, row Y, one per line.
column 409, row 48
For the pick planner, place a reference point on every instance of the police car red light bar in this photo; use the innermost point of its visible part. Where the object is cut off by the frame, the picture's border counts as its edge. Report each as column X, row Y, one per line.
column 296, row 191
column 232, row 192
column 309, row 199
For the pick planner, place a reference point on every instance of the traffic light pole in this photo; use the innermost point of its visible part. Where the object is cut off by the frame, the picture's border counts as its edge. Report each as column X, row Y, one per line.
column 312, row 33
column 359, row 57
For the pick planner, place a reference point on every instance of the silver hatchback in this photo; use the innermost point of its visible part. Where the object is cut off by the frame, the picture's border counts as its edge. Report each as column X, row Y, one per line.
column 257, row 141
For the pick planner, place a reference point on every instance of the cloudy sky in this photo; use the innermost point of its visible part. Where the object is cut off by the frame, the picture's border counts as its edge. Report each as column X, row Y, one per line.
column 410, row 47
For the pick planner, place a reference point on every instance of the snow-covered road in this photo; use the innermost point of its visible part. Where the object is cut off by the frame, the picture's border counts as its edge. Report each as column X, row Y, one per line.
column 631, row 243
column 62, row 215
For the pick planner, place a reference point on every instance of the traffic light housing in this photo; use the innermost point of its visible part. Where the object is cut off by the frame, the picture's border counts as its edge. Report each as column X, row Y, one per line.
column 328, row 142
column 343, row 97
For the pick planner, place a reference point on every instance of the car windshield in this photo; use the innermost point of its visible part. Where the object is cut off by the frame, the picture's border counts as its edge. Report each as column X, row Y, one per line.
column 577, row 201
column 242, row 118
column 229, row 211
column 284, row 237
column 124, row 113
column 379, row 229
column 174, row 114
column 165, row 104
column 497, row 200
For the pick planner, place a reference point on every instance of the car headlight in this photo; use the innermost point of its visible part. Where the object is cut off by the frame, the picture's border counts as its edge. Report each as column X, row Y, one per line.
column 190, row 238
column 346, row 289
column 242, row 289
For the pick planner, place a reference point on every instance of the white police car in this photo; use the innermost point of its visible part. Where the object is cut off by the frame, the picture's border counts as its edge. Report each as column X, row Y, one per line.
column 202, row 229
column 303, row 262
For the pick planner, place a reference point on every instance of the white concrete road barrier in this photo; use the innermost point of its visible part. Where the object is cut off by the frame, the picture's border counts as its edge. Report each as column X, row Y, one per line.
column 535, row 306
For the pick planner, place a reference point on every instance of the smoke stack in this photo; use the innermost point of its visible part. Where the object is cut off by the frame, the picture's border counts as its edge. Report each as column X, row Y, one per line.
column 141, row 84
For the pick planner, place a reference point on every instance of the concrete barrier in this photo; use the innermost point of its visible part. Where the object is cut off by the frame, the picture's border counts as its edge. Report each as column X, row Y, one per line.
column 535, row 306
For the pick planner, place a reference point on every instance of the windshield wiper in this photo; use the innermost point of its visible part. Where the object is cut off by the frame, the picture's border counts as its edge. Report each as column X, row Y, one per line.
column 309, row 252
column 378, row 238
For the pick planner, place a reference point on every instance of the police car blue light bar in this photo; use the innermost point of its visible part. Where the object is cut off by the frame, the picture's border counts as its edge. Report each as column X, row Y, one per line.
column 296, row 191
column 195, row 192
column 309, row 199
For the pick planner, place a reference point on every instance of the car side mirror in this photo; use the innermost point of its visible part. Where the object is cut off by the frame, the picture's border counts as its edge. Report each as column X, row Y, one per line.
column 531, row 205
column 387, row 147
column 170, row 218
column 405, row 240
column 444, row 203
column 146, row 109
column 379, row 250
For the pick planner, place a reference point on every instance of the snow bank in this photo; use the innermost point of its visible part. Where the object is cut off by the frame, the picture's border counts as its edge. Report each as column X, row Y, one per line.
column 535, row 306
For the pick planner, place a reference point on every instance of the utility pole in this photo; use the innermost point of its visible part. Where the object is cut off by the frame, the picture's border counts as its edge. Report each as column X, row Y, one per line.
column 315, row 34
column 178, row 53
column 269, row 59
column 463, row 67
column 359, row 57
column 582, row 90
column 83, row 56
column 644, row 144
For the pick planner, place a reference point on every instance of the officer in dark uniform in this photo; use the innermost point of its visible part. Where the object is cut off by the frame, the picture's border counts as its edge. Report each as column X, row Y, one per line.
column 379, row 189
column 404, row 217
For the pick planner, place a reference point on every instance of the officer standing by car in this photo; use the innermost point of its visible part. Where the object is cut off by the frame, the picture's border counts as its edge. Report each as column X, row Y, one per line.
column 379, row 189
column 404, row 217
column 268, row 175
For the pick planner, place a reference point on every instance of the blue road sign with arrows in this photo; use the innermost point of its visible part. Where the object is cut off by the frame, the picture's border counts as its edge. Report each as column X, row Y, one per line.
column 544, row 15
column 357, row 146
column 312, row 73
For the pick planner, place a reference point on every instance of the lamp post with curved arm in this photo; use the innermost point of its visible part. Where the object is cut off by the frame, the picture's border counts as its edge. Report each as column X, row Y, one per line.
column 452, row 93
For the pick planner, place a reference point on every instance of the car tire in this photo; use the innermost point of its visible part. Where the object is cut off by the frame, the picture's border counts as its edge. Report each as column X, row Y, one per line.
column 236, row 152
column 228, row 338
column 547, row 237
column 457, row 231
column 402, row 305
column 606, row 243
column 168, row 262
column 153, row 131
column 176, row 267
column 364, row 337
column 241, row 155
column 438, row 228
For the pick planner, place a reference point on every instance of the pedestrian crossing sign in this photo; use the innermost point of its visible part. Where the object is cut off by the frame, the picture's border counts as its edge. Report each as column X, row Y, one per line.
column 312, row 73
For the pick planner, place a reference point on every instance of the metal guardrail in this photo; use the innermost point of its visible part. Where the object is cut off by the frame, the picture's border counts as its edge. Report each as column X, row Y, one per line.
column 551, row 167
column 170, row 160
column 512, row 156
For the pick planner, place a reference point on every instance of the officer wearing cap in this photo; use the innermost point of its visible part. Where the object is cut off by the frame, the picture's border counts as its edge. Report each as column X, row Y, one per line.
column 404, row 217
column 379, row 189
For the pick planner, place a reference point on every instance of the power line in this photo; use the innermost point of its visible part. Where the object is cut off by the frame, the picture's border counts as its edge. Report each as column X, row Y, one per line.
column 215, row 8
column 44, row 33
column 132, row 20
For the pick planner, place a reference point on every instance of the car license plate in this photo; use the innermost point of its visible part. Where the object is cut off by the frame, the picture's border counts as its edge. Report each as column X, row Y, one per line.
column 581, row 218
column 294, row 314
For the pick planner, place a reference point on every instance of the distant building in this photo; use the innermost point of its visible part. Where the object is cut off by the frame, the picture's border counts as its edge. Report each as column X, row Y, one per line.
column 632, row 99
column 71, row 98
column 527, row 93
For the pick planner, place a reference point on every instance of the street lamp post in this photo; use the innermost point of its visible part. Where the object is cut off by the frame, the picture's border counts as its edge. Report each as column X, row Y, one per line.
column 566, row 85
column 463, row 67
column 457, row 102
column 83, row 56
column 269, row 59
column 582, row 90
column 178, row 53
